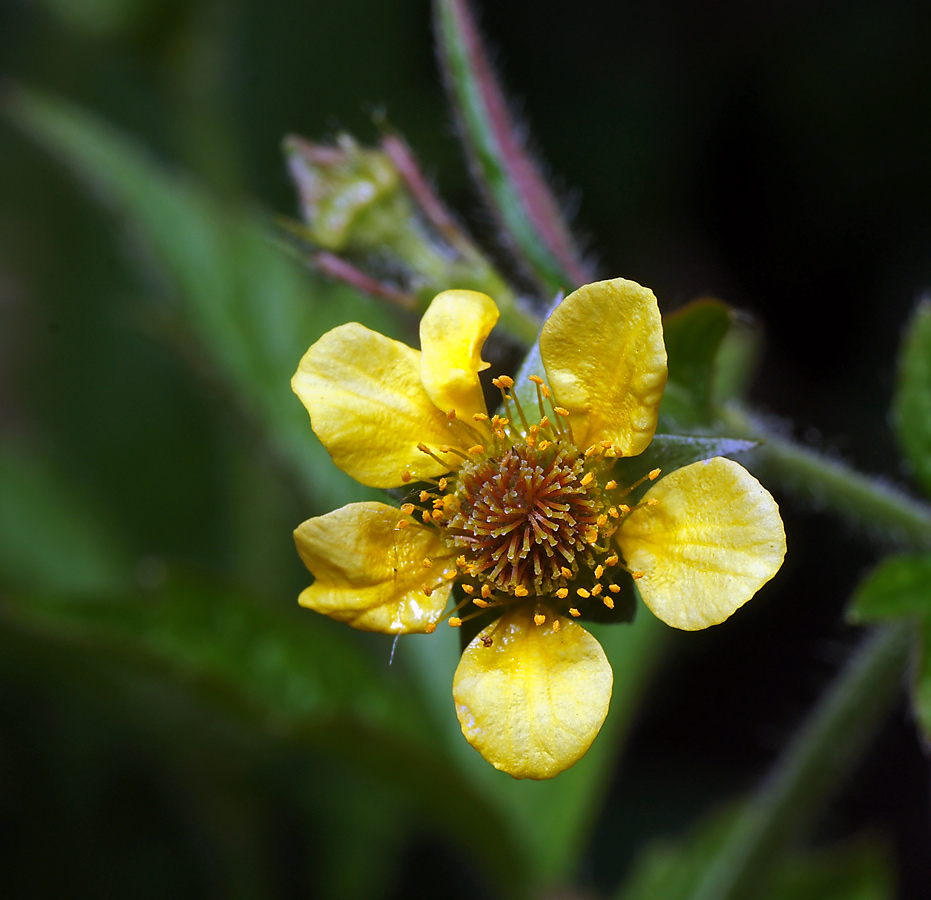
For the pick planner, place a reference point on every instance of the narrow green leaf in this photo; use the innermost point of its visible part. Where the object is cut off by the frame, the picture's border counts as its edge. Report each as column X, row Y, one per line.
column 900, row 587
column 912, row 401
column 668, row 870
column 51, row 537
column 519, row 197
column 805, row 778
column 242, row 302
column 693, row 337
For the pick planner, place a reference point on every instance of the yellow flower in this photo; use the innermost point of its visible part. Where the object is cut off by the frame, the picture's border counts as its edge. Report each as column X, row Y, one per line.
column 520, row 508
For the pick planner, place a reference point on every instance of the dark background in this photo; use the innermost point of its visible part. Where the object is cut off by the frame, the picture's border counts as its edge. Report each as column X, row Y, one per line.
column 774, row 155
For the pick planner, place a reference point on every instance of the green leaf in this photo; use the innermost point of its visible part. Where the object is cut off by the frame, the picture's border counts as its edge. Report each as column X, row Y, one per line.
column 693, row 335
column 900, row 587
column 912, row 401
column 513, row 186
column 244, row 308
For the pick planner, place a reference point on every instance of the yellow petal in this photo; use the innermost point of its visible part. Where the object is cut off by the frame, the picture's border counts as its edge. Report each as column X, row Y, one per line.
column 712, row 540
column 369, row 574
column 605, row 360
column 452, row 333
column 369, row 407
column 533, row 700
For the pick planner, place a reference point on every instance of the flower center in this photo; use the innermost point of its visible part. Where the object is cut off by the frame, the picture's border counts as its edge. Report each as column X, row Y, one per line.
column 526, row 519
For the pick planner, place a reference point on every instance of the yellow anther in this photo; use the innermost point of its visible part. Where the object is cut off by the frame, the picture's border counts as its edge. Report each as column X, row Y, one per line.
column 561, row 411
column 539, row 618
column 406, row 476
column 468, row 588
column 597, row 589
column 602, row 520
column 486, row 591
column 555, row 624
column 481, row 604
column 429, row 628
column 544, row 445
column 455, row 621
column 574, row 612
column 544, row 422
column 583, row 593
column 612, row 560
column 624, row 508
column 653, row 475
column 461, row 561
column 451, row 415
column 477, row 450
column 427, row 563
column 520, row 591
column 547, row 393
column 480, row 417
column 562, row 593
column 608, row 602
column 613, row 512
column 591, row 536
column 536, row 379
column 450, row 575
column 591, row 451
column 611, row 485
column 442, row 484
column 426, row 516
column 424, row 496
column 566, row 573
column 637, row 574
column 502, row 382
column 587, row 479
column 403, row 523
column 407, row 508
column 599, row 571
column 614, row 588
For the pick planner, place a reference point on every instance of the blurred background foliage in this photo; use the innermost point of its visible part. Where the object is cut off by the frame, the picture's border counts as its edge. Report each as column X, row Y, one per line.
column 170, row 723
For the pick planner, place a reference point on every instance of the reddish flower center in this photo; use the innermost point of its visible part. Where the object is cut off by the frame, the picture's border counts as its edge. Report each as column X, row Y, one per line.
column 526, row 519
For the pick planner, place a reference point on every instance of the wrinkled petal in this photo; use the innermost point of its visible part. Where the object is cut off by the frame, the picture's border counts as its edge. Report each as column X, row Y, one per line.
column 712, row 540
column 369, row 574
column 369, row 408
column 605, row 360
column 452, row 333
column 532, row 702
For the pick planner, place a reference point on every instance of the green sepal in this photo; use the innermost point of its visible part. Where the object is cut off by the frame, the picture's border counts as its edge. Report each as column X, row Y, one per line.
column 693, row 338
column 668, row 452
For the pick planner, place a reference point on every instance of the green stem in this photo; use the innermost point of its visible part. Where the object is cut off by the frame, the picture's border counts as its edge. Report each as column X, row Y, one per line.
column 870, row 503
column 823, row 754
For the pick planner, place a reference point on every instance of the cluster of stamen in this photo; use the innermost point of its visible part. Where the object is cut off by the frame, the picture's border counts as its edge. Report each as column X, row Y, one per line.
column 527, row 515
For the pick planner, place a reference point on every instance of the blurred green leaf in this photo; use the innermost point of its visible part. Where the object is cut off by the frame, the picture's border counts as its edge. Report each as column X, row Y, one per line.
column 51, row 538
column 900, row 587
column 244, row 307
column 285, row 675
column 669, row 870
column 693, row 337
column 912, row 402
column 511, row 181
